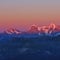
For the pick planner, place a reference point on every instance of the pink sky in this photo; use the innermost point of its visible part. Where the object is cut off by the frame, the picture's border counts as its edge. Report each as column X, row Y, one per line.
column 24, row 13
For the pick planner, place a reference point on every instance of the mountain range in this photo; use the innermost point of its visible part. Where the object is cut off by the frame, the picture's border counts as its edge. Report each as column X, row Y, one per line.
column 34, row 29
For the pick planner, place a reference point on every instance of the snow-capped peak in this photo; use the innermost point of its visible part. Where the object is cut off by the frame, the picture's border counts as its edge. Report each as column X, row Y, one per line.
column 12, row 30
column 33, row 29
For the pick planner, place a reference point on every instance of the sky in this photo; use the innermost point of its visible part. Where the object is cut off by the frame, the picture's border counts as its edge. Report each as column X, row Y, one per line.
column 23, row 13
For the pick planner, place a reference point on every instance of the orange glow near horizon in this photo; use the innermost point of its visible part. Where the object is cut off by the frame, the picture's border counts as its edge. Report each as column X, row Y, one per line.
column 25, row 13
